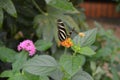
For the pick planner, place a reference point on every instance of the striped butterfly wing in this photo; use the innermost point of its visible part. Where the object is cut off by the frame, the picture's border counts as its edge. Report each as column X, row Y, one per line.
column 62, row 33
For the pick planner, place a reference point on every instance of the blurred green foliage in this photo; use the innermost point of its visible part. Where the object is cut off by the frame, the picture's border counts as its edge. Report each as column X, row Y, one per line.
column 118, row 5
column 105, row 62
column 36, row 20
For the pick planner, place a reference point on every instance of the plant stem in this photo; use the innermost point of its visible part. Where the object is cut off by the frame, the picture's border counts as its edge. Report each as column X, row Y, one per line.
column 39, row 9
column 65, row 51
column 74, row 54
column 22, row 72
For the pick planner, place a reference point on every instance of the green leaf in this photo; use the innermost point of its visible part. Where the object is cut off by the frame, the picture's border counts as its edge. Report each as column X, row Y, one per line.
column 45, row 26
column 115, row 73
column 18, row 76
column 70, row 22
column 98, row 71
column 40, row 65
column 24, row 76
column 7, row 73
column 48, row 31
column 57, row 75
column 6, row 54
column 39, row 22
column 30, row 76
column 87, row 40
column 61, row 4
column 9, row 7
column 86, row 51
column 71, row 64
column 42, row 45
column 1, row 18
column 20, row 59
column 82, row 75
column 43, row 78
column 103, row 52
column 93, row 66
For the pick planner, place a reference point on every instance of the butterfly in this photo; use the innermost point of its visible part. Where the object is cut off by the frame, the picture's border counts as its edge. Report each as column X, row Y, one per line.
column 62, row 33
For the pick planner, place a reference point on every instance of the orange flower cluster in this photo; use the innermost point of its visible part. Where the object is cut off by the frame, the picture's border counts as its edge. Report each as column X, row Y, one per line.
column 66, row 43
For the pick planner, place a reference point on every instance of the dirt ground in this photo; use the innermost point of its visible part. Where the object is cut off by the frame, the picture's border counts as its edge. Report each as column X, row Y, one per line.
column 107, row 24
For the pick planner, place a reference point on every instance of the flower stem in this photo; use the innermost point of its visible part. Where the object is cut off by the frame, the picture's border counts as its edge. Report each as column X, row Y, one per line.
column 65, row 51
column 74, row 54
column 39, row 9
column 22, row 72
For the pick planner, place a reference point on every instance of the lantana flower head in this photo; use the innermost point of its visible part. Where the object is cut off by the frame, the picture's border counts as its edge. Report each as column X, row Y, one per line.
column 81, row 34
column 27, row 45
column 66, row 43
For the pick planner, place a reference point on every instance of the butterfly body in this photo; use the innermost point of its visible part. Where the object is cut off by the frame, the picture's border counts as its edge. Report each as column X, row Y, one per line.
column 62, row 33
